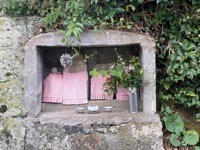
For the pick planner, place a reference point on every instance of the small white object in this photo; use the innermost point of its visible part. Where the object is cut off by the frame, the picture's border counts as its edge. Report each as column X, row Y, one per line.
column 93, row 108
column 54, row 70
column 108, row 108
column 80, row 110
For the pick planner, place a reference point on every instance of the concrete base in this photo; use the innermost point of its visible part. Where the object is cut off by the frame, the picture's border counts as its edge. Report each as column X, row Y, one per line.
column 117, row 130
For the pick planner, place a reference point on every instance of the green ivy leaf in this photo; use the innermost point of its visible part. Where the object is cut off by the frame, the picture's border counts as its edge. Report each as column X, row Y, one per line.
column 169, row 69
column 197, row 147
column 94, row 73
column 140, row 1
column 130, row 6
column 174, row 140
column 158, row 1
column 173, row 122
column 104, row 72
column 197, row 115
column 119, row 10
column 191, row 137
column 129, row 25
column 111, row 13
column 178, row 130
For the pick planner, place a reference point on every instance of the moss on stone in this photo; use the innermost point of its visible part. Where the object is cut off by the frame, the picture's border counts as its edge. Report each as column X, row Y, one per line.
column 10, row 99
column 11, row 123
column 8, row 83
column 2, row 21
column 8, row 123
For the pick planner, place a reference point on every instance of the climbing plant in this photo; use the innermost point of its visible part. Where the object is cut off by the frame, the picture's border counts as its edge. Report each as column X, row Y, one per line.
column 179, row 58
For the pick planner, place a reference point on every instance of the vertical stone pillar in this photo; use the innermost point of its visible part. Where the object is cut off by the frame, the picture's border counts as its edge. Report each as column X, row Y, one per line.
column 147, row 57
column 33, row 81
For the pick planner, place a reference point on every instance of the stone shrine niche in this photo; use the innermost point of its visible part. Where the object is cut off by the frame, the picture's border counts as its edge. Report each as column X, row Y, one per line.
column 50, row 56
column 98, row 56
column 45, row 50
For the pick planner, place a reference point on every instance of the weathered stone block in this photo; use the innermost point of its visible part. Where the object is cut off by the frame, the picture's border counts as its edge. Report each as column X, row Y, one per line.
column 30, row 61
column 31, row 84
column 31, row 104
column 129, row 136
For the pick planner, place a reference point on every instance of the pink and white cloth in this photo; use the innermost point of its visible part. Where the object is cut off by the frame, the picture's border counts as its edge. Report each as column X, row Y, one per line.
column 75, row 89
column 53, row 88
column 122, row 93
column 96, row 89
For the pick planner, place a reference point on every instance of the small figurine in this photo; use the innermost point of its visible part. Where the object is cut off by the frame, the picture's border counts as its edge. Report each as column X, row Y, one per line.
column 54, row 70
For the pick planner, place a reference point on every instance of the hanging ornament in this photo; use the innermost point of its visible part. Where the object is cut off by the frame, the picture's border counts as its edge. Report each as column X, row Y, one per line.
column 66, row 60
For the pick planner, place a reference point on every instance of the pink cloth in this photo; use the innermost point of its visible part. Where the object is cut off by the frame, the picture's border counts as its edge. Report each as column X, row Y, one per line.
column 122, row 93
column 75, row 88
column 96, row 90
column 53, row 88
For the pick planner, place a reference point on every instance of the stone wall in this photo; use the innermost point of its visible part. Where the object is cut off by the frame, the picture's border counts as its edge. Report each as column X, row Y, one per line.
column 14, row 33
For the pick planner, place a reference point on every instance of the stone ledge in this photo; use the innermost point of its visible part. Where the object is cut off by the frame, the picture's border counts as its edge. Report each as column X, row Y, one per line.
column 88, row 119
column 66, row 114
column 105, row 135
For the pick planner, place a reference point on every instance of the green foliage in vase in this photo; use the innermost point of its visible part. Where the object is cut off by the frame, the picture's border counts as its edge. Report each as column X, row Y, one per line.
column 124, row 72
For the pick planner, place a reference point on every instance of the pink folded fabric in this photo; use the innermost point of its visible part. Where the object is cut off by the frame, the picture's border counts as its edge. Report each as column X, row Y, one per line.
column 53, row 88
column 122, row 93
column 75, row 88
column 96, row 90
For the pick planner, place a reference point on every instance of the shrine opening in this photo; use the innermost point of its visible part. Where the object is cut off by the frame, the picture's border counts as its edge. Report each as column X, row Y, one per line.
column 62, row 78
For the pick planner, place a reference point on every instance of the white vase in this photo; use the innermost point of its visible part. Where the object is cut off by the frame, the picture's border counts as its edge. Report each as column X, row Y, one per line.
column 133, row 101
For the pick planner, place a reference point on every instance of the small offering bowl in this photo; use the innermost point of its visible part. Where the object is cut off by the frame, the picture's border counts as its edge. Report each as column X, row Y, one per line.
column 80, row 110
column 108, row 108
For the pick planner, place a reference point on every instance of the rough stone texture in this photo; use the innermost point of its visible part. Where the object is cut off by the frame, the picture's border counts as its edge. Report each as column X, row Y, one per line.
column 89, row 38
column 99, row 136
column 13, row 34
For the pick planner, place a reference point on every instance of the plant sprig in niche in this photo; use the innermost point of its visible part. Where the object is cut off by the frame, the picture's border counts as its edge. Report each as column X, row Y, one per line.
column 124, row 72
